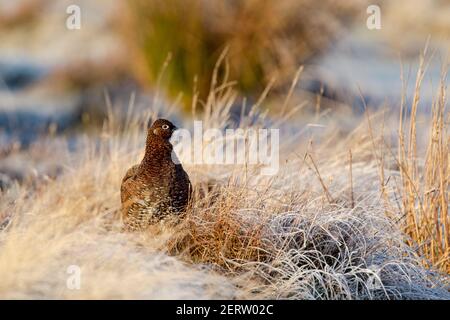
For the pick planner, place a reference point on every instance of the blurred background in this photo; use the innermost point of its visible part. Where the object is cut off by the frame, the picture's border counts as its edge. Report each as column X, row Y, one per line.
column 58, row 85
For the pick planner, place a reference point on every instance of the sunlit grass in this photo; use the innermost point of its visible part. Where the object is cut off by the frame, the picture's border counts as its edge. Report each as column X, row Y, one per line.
column 322, row 228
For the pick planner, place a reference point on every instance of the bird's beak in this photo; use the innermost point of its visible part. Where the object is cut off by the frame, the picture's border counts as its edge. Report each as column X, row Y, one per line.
column 175, row 128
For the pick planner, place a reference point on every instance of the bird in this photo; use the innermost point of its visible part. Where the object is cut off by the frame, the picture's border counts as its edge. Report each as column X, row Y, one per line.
column 157, row 187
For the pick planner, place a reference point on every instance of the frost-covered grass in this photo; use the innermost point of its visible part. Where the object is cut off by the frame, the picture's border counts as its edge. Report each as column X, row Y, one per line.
column 324, row 227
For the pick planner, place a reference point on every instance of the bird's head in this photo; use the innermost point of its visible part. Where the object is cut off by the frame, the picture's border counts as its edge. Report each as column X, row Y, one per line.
column 162, row 128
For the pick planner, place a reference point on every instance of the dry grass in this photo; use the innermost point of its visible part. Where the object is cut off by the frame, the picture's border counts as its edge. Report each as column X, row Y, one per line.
column 309, row 232
column 426, row 179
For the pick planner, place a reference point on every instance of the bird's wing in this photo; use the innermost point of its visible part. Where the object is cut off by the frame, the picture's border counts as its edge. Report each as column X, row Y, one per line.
column 129, row 175
column 181, row 174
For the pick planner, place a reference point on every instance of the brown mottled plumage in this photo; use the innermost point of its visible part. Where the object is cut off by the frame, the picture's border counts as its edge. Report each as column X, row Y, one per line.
column 157, row 187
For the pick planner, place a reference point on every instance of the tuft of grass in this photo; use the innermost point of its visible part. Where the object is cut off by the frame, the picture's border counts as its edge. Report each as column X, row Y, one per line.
column 425, row 178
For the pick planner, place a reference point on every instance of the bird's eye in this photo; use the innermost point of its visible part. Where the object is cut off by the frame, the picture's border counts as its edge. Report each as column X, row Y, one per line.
column 165, row 126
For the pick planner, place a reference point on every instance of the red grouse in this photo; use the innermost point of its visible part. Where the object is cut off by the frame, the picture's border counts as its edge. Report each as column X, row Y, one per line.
column 157, row 187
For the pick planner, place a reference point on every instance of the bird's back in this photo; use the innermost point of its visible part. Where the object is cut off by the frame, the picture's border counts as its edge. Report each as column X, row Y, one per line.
column 151, row 193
